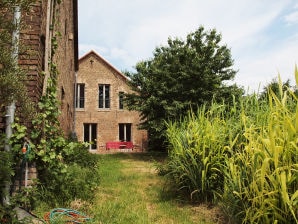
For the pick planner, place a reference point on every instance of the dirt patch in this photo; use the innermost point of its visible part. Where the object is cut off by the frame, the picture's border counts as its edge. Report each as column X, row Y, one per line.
column 210, row 213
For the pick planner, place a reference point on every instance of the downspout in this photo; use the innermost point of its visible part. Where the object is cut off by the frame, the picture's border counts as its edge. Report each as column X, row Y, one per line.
column 47, row 46
column 76, row 63
column 74, row 135
column 10, row 110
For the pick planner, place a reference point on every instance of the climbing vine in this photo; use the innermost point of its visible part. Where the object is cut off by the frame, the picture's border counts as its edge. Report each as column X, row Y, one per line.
column 66, row 170
column 46, row 138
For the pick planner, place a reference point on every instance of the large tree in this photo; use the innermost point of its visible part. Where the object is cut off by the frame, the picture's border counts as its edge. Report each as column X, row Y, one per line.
column 183, row 75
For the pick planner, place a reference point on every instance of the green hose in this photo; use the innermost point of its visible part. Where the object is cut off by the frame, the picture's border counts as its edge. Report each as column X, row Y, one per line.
column 67, row 215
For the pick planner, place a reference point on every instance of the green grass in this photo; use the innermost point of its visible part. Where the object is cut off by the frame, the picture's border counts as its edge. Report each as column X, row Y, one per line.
column 132, row 192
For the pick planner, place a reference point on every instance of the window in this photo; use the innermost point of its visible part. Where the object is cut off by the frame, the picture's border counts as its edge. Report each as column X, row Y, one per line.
column 80, row 95
column 104, row 96
column 90, row 133
column 125, row 132
column 121, row 97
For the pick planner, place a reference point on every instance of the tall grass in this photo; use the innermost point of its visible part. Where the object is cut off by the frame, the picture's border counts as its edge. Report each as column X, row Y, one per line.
column 261, row 178
column 197, row 152
column 245, row 156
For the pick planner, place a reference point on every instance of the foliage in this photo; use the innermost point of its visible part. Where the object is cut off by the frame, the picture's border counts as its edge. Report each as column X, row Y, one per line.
column 77, row 153
column 61, row 171
column 274, row 86
column 12, row 88
column 262, row 177
column 196, row 152
column 62, row 174
column 77, row 180
column 255, row 148
column 183, row 75
column 6, row 171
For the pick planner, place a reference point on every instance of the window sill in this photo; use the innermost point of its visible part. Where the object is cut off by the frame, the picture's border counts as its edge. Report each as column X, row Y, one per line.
column 103, row 109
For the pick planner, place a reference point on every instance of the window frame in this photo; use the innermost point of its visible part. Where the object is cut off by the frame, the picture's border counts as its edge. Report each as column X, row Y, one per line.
column 80, row 89
column 104, row 101
column 125, row 132
column 121, row 100
column 92, row 134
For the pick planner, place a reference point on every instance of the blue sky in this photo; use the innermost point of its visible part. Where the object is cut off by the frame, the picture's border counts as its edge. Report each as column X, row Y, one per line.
column 262, row 34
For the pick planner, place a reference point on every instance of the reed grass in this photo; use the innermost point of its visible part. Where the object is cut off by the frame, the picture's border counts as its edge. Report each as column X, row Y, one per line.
column 197, row 152
column 261, row 179
column 245, row 157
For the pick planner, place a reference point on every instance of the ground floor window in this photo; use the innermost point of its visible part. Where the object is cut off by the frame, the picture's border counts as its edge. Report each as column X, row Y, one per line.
column 90, row 133
column 125, row 132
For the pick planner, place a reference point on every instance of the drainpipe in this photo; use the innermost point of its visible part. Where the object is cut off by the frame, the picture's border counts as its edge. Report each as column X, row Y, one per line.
column 10, row 110
column 47, row 45
column 74, row 135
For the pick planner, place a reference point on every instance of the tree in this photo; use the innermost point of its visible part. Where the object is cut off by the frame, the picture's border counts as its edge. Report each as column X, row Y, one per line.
column 276, row 86
column 181, row 76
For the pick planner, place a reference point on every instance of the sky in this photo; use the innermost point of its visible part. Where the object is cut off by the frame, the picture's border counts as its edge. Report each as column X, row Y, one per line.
column 261, row 34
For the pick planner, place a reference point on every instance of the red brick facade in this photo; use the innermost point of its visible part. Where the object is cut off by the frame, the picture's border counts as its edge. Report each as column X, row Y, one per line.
column 110, row 122
column 43, row 20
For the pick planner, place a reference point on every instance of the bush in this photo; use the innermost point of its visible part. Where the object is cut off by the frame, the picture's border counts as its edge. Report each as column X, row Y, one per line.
column 77, row 181
column 6, row 172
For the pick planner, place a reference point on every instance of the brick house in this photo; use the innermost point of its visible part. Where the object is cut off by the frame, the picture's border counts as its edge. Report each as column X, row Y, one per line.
column 101, row 117
column 41, row 22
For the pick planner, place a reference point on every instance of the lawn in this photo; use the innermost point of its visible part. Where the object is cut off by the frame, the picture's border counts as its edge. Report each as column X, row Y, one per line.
column 130, row 191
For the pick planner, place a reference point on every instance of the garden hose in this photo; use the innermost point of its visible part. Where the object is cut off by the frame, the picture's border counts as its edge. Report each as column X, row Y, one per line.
column 67, row 215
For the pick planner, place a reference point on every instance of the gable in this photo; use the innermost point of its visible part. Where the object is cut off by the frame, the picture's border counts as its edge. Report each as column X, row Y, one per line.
column 93, row 61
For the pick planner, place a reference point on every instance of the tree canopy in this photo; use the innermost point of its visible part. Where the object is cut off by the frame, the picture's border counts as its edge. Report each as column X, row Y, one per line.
column 181, row 76
column 276, row 86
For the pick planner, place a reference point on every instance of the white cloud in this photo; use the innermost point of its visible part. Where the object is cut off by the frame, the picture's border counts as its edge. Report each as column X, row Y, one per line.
column 125, row 32
column 292, row 18
column 85, row 48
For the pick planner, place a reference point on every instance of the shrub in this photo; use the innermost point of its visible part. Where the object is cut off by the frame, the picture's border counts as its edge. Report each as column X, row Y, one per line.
column 77, row 181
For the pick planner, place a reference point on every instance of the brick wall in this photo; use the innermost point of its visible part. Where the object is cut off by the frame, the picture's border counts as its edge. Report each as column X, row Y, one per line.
column 94, row 70
column 66, row 58
column 32, row 42
column 35, row 37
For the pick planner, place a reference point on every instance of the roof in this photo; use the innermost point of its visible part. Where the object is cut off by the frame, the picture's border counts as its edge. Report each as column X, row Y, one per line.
column 104, row 61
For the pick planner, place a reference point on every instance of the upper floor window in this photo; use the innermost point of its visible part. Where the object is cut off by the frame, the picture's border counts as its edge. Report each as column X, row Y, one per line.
column 80, row 95
column 104, row 96
column 121, row 98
